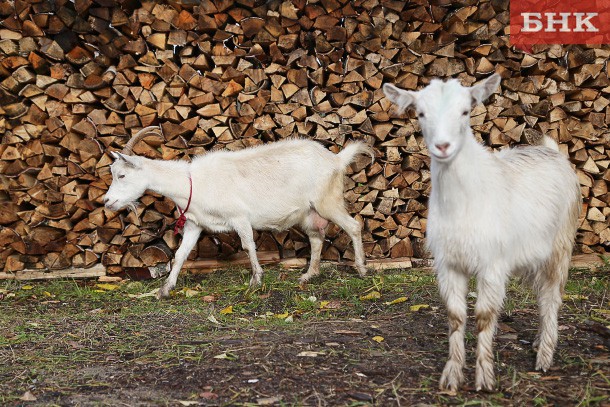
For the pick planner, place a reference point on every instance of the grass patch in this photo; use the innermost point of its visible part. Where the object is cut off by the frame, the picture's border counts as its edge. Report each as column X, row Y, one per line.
column 353, row 339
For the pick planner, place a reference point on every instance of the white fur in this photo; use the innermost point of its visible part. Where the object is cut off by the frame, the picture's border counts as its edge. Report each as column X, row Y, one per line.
column 269, row 187
column 491, row 216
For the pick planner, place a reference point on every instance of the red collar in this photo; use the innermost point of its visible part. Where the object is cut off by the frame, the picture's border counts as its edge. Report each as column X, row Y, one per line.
column 182, row 219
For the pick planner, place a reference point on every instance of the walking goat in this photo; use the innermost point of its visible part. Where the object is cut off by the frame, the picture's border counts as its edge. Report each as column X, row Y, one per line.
column 269, row 187
column 491, row 216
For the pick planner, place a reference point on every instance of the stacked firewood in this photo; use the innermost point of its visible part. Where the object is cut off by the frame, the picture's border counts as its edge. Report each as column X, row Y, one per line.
column 79, row 77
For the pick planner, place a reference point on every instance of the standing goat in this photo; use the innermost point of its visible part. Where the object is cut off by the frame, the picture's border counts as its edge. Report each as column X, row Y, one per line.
column 270, row 187
column 491, row 216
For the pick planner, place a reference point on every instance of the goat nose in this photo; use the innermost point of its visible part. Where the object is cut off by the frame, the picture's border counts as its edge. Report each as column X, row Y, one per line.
column 442, row 147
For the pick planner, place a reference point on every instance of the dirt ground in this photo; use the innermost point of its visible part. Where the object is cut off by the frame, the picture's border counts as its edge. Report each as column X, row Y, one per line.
column 79, row 343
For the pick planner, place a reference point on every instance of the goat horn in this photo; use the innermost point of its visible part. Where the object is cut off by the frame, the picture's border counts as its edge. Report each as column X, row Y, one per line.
column 146, row 131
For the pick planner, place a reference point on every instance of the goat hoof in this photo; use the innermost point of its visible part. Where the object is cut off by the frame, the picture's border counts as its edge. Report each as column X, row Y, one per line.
column 362, row 271
column 485, row 378
column 307, row 276
column 255, row 281
column 452, row 377
column 486, row 387
column 163, row 292
column 544, row 361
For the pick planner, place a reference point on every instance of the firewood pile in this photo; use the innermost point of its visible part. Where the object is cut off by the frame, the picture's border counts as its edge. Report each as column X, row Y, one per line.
column 79, row 77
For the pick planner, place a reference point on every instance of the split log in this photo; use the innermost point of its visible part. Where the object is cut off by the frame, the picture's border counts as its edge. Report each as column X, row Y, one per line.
column 77, row 80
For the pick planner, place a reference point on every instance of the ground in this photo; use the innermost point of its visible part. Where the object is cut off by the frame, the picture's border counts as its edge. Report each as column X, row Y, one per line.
column 338, row 341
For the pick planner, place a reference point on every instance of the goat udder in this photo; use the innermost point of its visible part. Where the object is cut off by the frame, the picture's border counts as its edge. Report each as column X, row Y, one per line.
column 317, row 222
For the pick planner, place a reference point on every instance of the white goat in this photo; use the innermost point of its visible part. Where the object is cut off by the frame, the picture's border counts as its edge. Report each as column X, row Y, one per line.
column 492, row 216
column 269, row 187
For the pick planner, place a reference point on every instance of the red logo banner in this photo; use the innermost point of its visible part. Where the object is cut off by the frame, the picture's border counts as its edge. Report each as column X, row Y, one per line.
column 559, row 22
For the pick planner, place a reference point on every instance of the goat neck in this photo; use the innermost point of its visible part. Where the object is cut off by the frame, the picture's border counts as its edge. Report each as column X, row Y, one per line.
column 464, row 178
column 170, row 179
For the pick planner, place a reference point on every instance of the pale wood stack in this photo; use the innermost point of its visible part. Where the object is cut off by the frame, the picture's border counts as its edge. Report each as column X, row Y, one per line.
column 78, row 78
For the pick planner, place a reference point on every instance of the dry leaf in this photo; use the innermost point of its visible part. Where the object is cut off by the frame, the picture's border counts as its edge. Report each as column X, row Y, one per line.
column 396, row 301
column 309, row 354
column 208, row 395
column 189, row 292
column 268, row 401
column 378, row 339
column 28, row 396
column 417, row 307
column 373, row 295
column 152, row 293
column 27, row 287
column 330, row 304
column 188, row 402
column 227, row 310
column 506, row 328
column 226, row 356
column 208, row 298
column 107, row 286
column 574, row 297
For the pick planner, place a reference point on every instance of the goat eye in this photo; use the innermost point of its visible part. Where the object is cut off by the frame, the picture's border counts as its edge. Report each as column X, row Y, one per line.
column 121, row 176
column 465, row 113
column 421, row 115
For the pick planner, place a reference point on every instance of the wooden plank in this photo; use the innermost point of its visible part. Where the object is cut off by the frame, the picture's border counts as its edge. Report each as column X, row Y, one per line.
column 590, row 261
column 95, row 271
column 586, row 261
column 582, row 261
column 240, row 259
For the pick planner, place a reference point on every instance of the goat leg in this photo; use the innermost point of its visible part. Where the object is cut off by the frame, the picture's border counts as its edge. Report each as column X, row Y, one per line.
column 549, row 301
column 189, row 238
column 453, row 287
column 244, row 230
column 316, row 239
column 491, row 291
column 549, row 290
column 342, row 218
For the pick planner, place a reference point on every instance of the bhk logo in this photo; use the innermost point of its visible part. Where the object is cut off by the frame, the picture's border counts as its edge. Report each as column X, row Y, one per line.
column 563, row 22
column 559, row 22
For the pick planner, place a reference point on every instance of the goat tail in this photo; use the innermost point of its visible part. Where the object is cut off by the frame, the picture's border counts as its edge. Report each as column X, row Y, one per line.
column 351, row 150
column 549, row 143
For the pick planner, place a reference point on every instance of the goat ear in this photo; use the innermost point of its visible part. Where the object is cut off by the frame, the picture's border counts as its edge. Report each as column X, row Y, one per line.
column 115, row 155
column 400, row 97
column 483, row 90
column 130, row 160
